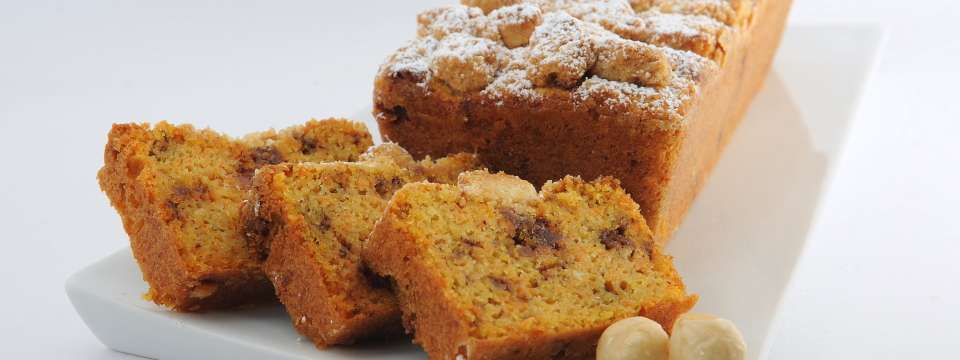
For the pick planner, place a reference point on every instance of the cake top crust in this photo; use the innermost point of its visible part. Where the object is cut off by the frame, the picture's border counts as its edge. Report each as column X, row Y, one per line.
column 643, row 56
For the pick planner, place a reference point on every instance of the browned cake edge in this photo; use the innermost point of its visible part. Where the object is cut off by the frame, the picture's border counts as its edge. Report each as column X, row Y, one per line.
column 291, row 259
column 724, row 102
column 662, row 169
column 298, row 277
column 438, row 324
column 174, row 281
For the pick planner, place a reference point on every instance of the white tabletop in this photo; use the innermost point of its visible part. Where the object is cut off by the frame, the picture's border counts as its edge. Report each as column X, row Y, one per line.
column 877, row 279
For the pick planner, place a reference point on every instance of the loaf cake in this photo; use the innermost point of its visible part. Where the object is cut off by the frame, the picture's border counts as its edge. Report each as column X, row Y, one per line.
column 179, row 192
column 491, row 269
column 314, row 221
column 646, row 91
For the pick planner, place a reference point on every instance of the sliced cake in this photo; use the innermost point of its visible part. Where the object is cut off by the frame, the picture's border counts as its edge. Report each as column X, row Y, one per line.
column 180, row 190
column 492, row 269
column 312, row 220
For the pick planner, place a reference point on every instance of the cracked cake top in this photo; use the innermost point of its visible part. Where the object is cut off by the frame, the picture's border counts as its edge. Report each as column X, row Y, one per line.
column 644, row 56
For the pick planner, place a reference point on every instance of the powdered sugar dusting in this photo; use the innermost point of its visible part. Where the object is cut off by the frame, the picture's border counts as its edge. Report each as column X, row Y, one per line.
column 679, row 24
column 462, row 49
column 412, row 59
column 522, row 14
column 560, row 51
column 513, row 80
column 460, row 46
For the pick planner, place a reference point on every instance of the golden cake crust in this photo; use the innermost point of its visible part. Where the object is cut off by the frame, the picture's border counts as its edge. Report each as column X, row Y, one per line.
column 317, row 218
column 647, row 91
column 179, row 192
column 491, row 269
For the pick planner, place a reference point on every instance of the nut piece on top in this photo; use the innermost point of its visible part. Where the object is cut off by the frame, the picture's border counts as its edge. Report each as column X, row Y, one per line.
column 517, row 23
column 560, row 52
column 631, row 62
column 646, row 91
column 179, row 192
column 465, row 63
column 311, row 222
column 492, row 269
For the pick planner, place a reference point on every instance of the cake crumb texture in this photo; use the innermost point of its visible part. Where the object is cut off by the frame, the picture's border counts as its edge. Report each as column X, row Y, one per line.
column 492, row 269
column 646, row 91
column 315, row 221
column 179, row 192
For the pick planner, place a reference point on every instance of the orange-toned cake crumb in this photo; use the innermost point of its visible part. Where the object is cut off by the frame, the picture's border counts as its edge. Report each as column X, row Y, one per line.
column 492, row 269
column 180, row 190
column 313, row 221
column 646, row 91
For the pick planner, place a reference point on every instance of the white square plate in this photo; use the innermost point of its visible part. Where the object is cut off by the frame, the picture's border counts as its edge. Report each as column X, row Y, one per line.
column 737, row 247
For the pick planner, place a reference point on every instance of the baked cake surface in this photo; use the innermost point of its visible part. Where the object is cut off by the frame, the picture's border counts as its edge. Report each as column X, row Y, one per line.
column 179, row 192
column 646, row 91
column 491, row 269
column 314, row 220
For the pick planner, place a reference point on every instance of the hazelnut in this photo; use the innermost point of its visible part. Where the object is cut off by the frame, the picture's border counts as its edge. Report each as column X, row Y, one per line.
column 633, row 338
column 464, row 62
column 633, row 62
column 560, row 52
column 641, row 5
column 516, row 23
column 505, row 190
column 442, row 21
column 703, row 337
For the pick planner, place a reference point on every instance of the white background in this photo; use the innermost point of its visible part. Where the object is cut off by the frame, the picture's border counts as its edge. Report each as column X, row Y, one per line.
column 878, row 279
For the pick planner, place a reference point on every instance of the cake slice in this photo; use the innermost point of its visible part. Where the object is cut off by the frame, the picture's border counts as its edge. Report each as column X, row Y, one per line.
column 646, row 91
column 313, row 221
column 179, row 192
column 491, row 269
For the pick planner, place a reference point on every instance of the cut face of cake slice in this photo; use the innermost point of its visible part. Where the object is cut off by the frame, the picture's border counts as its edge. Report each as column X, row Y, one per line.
column 492, row 269
column 179, row 192
column 313, row 221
